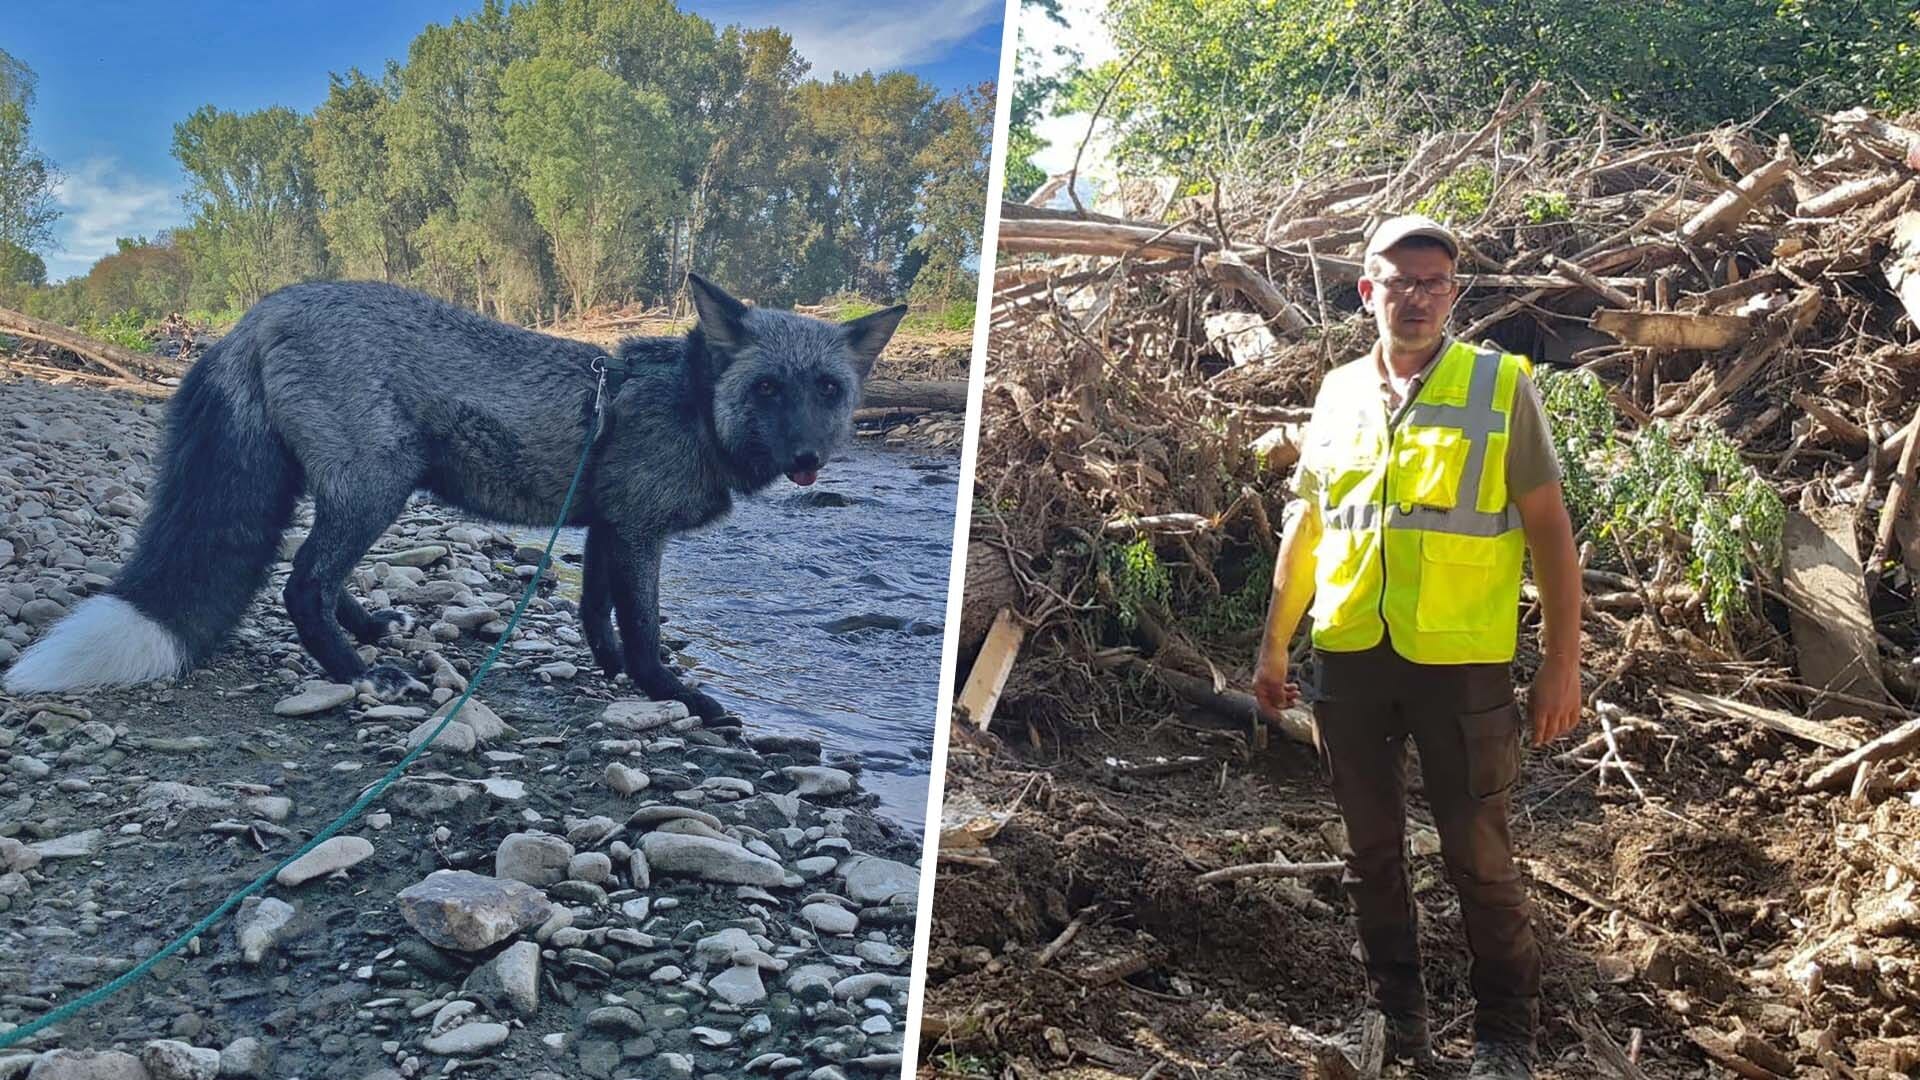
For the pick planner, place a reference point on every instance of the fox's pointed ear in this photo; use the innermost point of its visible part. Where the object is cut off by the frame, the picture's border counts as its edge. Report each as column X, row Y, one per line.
column 868, row 334
column 722, row 318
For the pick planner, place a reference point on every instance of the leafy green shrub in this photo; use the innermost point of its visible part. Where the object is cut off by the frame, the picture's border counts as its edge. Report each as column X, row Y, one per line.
column 1545, row 207
column 126, row 329
column 1241, row 610
column 848, row 305
column 954, row 1063
column 219, row 321
column 1698, row 500
column 1584, row 425
column 1139, row 579
column 1460, row 197
column 954, row 315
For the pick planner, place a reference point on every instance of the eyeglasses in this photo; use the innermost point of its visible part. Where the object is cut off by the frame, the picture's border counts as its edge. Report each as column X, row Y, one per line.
column 1402, row 286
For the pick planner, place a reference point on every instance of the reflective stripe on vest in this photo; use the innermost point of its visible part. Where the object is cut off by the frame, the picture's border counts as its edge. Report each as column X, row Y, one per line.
column 1419, row 538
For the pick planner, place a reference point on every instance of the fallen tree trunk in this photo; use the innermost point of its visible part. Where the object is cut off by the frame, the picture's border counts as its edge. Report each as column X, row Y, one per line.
column 1772, row 719
column 1673, row 329
column 945, row 395
column 1829, row 616
column 1732, row 206
column 1903, row 267
column 1055, row 234
column 1231, row 270
column 121, row 361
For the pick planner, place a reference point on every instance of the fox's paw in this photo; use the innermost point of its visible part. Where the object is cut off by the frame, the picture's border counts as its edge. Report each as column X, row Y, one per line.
column 397, row 621
column 703, row 706
column 388, row 683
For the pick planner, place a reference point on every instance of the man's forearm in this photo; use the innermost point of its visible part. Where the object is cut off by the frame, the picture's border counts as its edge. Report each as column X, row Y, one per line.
column 1293, row 581
column 1556, row 568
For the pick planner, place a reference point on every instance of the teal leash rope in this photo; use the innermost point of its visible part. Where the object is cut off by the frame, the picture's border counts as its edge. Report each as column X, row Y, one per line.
column 144, row 967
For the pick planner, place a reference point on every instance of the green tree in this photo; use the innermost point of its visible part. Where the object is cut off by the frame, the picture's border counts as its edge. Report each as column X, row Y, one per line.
column 750, row 202
column 18, row 266
column 252, row 195
column 585, row 147
column 367, row 230
column 954, row 197
column 676, row 59
column 865, row 133
column 27, row 179
column 448, row 171
column 1216, row 77
column 146, row 278
column 578, row 148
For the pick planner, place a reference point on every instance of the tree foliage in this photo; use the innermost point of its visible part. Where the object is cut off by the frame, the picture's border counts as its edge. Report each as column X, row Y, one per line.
column 367, row 230
column 554, row 154
column 251, row 188
column 27, row 179
column 1216, row 76
column 588, row 150
column 952, row 199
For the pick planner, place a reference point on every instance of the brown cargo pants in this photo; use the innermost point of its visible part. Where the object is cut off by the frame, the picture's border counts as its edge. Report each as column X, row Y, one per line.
column 1467, row 728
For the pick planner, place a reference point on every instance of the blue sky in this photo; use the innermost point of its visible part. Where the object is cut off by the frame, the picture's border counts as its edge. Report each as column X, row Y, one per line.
column 116, row 75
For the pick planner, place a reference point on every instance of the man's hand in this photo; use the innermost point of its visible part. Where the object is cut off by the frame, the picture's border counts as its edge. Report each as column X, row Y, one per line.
column 1554, row 701
column 1270, row 686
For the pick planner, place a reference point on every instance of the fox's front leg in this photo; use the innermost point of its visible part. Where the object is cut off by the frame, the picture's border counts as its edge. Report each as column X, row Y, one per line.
column 597, row 589
column 636, row 603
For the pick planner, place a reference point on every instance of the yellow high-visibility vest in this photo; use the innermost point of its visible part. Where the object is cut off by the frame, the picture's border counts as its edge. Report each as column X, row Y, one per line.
column 1418, row 537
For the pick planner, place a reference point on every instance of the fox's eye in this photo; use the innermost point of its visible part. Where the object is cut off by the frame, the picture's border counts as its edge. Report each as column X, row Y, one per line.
column 765, row 387
column 829, row 389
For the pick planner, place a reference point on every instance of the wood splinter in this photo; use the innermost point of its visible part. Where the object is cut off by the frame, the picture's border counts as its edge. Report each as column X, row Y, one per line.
column 1271, row 869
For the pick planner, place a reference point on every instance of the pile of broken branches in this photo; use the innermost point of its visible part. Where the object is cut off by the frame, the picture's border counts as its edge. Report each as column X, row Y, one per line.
column 1154, row 377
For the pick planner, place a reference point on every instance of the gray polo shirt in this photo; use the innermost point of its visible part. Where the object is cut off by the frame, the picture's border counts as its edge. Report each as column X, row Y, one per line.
column 1530, row 457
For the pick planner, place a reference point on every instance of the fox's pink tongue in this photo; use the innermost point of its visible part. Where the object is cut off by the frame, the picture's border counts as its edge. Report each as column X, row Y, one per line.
column 803, row 477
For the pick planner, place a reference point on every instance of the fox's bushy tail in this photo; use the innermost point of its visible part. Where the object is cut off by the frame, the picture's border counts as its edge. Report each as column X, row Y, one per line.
column 225, row 491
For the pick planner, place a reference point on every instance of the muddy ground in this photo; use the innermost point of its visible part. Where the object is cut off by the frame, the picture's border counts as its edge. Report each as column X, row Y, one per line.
column 1726, row 901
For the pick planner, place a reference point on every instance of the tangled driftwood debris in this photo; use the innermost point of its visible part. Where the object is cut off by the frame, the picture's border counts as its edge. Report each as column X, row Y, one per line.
column 125, row 369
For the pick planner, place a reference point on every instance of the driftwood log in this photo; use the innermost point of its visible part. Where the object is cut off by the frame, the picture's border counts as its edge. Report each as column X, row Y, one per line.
column 126, row 363
column 945, row 395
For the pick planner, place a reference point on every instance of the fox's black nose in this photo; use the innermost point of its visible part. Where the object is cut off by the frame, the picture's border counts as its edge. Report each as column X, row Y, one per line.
column 806, row 461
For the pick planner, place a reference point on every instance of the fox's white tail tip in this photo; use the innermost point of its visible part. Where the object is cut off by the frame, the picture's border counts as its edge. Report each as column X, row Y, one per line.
column 105, row 642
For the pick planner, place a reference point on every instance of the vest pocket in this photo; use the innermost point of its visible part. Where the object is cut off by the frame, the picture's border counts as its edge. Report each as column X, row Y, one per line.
column 1427, row 465
column 1456, row 581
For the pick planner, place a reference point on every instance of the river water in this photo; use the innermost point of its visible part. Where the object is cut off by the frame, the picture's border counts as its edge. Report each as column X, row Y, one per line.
column 819, row 611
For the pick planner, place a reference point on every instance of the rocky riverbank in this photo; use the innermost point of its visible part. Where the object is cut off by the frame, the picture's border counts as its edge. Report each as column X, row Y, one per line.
column 572, row 882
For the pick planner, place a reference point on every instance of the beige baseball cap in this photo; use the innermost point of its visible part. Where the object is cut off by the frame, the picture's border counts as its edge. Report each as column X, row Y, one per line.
column 1396, row 229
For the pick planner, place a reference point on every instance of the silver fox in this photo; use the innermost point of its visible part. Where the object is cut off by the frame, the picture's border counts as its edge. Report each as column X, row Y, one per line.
column 359, row 393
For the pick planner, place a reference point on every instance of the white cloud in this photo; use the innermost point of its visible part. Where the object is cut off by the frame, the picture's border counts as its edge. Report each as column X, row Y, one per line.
column 860, row 38
column 99, row 202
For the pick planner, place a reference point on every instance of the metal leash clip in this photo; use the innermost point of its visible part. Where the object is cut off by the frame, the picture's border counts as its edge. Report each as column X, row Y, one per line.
column 599, row 367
